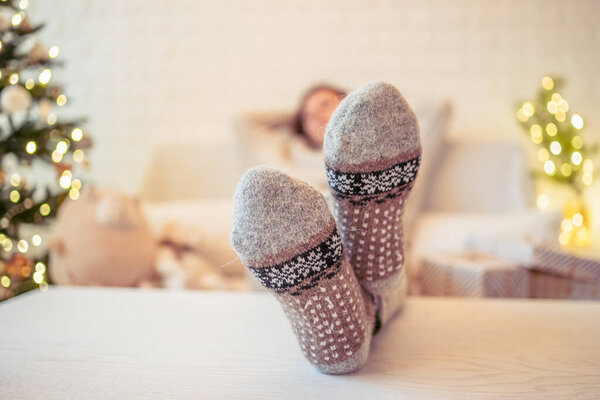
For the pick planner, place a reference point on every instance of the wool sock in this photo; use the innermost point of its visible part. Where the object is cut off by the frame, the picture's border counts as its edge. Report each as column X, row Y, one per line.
column 372, row 154
column 285, row 234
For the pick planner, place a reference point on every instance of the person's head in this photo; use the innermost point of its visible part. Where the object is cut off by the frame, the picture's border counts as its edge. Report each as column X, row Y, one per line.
column 316, row 107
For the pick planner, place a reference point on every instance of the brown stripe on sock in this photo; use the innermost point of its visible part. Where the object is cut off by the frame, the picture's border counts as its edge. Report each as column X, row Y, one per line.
column 373, row 166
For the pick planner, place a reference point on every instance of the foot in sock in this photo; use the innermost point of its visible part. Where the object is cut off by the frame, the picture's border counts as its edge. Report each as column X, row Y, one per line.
column 372, row 154
column 285, row 234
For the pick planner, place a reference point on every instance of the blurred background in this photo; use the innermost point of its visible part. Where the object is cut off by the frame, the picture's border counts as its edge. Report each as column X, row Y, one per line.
column 181, row 97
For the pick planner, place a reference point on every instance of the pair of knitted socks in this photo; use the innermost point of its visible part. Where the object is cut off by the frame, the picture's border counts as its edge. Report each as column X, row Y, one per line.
column 338, row 277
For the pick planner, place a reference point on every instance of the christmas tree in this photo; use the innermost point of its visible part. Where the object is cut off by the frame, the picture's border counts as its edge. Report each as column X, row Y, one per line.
column 564, row 154
column 31, row 136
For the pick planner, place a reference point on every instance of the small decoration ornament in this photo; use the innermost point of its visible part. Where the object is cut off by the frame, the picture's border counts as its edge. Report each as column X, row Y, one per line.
column 15, row 99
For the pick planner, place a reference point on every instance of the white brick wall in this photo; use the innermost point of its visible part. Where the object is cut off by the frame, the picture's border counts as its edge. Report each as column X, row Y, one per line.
column 145, row 73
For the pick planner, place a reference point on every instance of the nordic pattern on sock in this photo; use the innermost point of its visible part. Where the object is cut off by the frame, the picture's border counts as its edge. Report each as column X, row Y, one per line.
column 304, row 270
column 353, row 184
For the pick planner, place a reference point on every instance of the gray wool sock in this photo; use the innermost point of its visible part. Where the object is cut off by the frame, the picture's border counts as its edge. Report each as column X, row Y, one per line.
column 285, row 234
column 372, row 154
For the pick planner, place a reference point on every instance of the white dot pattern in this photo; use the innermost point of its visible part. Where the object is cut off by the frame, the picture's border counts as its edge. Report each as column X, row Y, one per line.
column 332, row 321
column 373, row 236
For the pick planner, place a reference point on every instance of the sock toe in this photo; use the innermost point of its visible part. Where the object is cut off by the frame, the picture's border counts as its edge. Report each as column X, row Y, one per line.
column 371, row 127
column 275, row 213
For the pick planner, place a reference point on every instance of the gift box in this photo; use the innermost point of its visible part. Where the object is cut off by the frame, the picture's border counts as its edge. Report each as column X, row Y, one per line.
column 546, row 286
column 472, row 274
column 549, row 258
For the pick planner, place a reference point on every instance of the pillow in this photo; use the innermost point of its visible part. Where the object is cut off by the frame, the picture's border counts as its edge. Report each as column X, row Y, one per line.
column 481, row 176
column 433, row 120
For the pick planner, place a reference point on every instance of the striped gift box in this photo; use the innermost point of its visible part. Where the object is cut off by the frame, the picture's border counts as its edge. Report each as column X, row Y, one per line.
column 549, row 258
column 472, row 274
column 546, row 286
column 577, row 265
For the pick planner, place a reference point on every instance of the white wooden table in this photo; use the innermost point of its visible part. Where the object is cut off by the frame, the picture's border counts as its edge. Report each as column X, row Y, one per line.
column 103, row 343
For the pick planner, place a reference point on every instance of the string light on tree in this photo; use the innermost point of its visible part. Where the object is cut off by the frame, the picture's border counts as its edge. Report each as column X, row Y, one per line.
column 32, row 131
column 563, row 152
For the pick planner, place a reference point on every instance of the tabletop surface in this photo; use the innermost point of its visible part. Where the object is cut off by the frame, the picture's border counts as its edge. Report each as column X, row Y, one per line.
column 105, row 343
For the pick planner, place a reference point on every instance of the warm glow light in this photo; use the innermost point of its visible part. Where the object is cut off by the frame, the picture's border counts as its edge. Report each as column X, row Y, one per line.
column 576, row 158
column 36, row 240
column 73, row 194
column 560, row 116
column 7, row 245
column 521, row 116
column 77, row 134
column 65, row 181
column 53, row 52
column 536, row 134
column 14, row 79
column 543, row 155
column 556, row 97
column 577, row 121
column 528, row 109
column 45, row 76
column 15, row 179
column 45, row 209
column 549, row 167
column 62, row 147
column 30, row 147
column 23, row 4
column 552, row 107
column 38, row 277
column 577, row 142
column 547, row 83
column 51, row 119
column 551, row 129
column 57, row 156
column 14, row 196
column 566, row 225
column 566, row 169
column 555, row 148
column 78, row 155
column 577, row 219
column 40, row 267
column 29, row 84
column 543, row 201
column 563, row 106
column 76, row 184
column 22, row 246
column 5, row 281
column 61, row 100
column 17, row 19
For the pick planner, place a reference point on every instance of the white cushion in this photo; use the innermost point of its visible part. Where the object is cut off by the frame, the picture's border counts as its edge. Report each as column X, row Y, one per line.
column 481, row 176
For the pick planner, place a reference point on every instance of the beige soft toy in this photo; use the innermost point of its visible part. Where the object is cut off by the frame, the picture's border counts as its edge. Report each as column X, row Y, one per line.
column 102, row 239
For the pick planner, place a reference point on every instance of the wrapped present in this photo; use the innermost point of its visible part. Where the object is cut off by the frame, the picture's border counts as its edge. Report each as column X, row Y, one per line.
column 578, row 265
column 546, row 286
column 472, row 274
column 549, row 258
